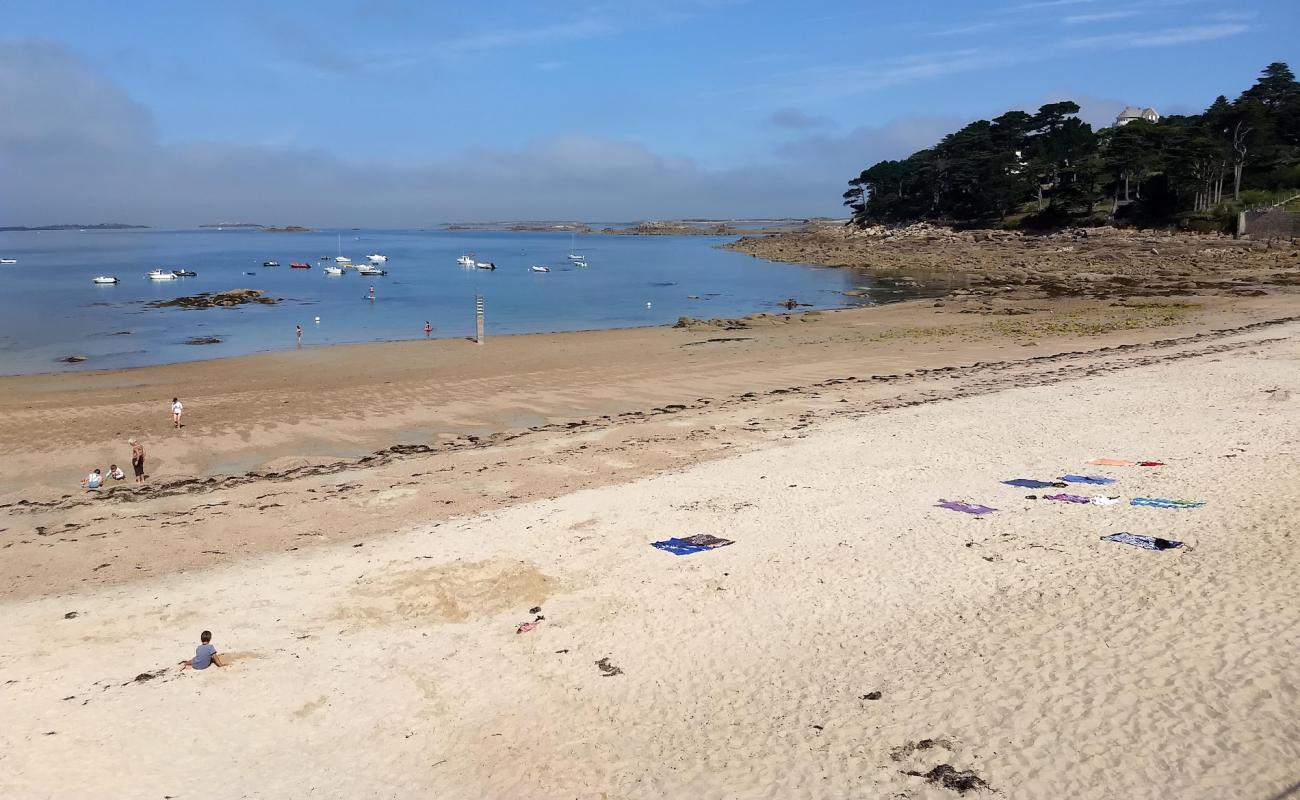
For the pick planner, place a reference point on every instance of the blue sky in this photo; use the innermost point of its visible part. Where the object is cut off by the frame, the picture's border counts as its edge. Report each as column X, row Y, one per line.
column 404, row 113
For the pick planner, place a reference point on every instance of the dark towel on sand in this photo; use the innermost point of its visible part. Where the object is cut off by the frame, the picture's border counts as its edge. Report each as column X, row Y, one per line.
column 1028, row 483
column 1145, row 542
column 691, row 544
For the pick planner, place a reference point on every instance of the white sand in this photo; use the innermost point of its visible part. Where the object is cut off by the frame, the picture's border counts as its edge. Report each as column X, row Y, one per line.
column 1052, row 664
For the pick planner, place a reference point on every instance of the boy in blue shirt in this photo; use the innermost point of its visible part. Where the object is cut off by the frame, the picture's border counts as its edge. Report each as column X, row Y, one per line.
column 204, row 655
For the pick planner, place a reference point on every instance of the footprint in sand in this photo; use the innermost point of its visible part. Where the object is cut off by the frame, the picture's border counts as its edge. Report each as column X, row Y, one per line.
column 388, row 498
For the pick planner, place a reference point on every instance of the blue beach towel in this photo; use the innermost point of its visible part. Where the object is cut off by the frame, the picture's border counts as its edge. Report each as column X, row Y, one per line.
column 1145, row 542
column 1027, row 483
column 1096, row 480
column 691, row 544
column 1160, row 502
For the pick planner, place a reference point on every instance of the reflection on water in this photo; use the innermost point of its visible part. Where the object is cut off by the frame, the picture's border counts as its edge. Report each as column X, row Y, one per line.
column 49, row 308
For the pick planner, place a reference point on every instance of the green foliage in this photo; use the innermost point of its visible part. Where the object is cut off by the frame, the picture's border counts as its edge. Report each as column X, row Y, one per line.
column 1050, row 168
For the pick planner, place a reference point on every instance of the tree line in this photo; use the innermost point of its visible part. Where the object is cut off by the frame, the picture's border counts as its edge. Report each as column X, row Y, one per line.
column 1050, row 168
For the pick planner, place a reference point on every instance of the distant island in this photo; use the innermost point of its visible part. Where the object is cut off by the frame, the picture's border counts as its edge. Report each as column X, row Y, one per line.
column 678, row 227
column 102, row 226
column 260, row 227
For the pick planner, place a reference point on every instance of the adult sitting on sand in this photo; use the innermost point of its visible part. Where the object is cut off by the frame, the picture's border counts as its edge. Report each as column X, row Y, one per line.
column 137, row 459
column 94, row 480
column 204, row 655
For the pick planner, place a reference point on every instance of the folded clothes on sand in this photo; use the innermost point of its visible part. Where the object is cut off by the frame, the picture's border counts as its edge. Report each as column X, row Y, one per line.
column 1145, row 542
column 1028, row 483
column 1160, row 502
column 1068, row 498
column 966, row 508
column 1097, row 480
column 1104, row 501
column 691, row 544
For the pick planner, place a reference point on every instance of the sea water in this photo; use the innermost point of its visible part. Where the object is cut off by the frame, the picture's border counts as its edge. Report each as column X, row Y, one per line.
column 50, row 309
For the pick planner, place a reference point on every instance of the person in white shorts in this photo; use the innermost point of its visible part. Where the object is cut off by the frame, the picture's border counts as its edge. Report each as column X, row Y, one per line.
column 177, row 408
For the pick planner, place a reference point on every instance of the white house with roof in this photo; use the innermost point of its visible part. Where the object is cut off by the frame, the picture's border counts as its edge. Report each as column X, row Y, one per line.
column 1131, row 113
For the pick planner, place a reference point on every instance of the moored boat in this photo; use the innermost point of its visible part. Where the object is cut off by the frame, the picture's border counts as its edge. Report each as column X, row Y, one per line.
column 8, row 261
column 185, row 273
column 298, row 265
column 489, row 265
column 539, row 268
column 370, row 269
column 161, row 275
column 270, row 263
column 466, row 260
column 104, row 279
column 376, row 258
column 333, row 270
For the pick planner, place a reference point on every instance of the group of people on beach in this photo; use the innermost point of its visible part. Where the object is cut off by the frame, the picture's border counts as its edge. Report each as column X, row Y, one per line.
column 95, row 479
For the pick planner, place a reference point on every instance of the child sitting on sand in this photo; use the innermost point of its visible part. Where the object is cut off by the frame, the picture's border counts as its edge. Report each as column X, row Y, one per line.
column 116, row 473
column 204, row 655
column 94, row 480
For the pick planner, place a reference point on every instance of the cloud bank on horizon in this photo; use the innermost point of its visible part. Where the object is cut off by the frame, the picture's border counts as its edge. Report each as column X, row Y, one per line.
column 603, row 111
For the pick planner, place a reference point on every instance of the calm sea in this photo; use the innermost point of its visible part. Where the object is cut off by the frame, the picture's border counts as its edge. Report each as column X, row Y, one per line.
column 49, row 308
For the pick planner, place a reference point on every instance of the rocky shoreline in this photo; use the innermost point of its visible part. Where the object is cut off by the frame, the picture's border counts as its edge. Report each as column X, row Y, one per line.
column 1096, row 263
column 226, row 299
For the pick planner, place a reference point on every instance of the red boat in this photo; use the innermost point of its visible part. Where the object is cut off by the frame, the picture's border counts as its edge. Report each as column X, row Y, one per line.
column 300, row 266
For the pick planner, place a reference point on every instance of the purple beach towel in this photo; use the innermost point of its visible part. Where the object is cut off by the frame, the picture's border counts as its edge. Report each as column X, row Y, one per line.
column 965, row 508
column 1068, row 498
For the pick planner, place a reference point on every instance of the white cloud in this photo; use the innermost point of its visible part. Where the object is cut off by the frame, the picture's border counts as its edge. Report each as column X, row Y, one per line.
column 1101, row 16
column 1161, row 38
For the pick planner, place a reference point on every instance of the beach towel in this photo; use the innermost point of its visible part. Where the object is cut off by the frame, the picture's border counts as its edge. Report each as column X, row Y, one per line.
column 965, row 508
column 1104, row 501
column 1145, row 542
column 1112, row 462
column 691, row 544
column 1151, row 463
column 1028, row 483
column 1096, row 480
column 1068, row 498
column 1160, row 502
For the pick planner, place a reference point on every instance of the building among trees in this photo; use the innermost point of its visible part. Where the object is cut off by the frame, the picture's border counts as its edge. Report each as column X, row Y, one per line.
column 1133, row 113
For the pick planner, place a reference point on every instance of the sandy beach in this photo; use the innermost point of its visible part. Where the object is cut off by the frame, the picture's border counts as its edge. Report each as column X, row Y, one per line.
column 364, row 528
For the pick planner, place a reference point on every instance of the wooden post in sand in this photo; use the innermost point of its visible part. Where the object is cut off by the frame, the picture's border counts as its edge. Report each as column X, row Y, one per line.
column 478, row 317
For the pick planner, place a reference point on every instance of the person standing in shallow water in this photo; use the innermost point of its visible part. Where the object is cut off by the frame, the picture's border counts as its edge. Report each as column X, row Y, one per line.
column 298, row 330
column 177, row 409
column 137, row 459
column 428, row 329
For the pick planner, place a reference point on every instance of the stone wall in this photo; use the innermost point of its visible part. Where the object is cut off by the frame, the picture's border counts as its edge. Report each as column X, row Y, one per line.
column 1275, row 224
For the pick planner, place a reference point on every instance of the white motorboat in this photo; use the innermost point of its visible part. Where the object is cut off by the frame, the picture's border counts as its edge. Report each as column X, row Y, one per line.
column 482, row 264
column 270, row 263
column 376, row 258
column 333, row 270
column 466, row 261
column 105, row 279
column 161, row 275
column 8, row 261
column 342, row 260
column 489, row 265
column 579, row 263
column 370, row 269
column 538, row 268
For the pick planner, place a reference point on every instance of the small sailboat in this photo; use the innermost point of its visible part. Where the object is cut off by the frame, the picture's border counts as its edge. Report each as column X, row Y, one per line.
column 270, row 263
column 333, row 270
column 340, row 258
column 104, row 279
column 573, row 255
column 466, row 260
column 185, row 273
column 299, row 265
column 539, row 268
column 376, row 258
column 161, row 275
